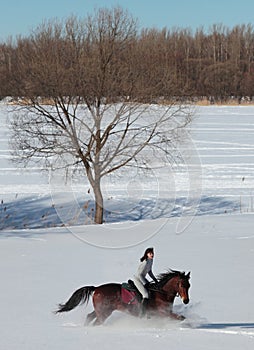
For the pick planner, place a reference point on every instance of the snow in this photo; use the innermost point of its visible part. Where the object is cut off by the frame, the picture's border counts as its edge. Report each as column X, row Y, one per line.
column 198, row 216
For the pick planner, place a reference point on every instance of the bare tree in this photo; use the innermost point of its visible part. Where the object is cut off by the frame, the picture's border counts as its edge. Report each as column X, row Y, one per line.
column 6, row 51
column 81, row 100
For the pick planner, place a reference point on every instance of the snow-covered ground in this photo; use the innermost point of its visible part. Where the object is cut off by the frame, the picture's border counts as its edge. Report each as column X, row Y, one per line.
column 198, row 216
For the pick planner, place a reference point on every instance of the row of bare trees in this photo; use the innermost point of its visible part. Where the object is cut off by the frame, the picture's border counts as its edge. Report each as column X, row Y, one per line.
column 147, row 63
column 217, row 63
column 83, row 58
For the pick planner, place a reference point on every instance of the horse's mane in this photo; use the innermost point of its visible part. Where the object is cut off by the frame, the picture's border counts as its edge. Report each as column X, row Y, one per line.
column 164, row 277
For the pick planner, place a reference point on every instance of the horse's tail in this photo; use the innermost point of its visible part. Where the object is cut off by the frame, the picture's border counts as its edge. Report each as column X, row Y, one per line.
column 80, row 296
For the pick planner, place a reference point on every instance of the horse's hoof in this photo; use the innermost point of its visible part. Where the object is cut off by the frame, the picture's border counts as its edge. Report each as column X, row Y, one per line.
column 181, row 318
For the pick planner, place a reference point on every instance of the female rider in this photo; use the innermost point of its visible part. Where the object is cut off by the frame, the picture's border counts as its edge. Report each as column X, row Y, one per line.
column 145, row 267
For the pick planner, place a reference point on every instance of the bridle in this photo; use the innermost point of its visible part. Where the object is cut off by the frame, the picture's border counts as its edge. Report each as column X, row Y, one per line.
column 163, row 292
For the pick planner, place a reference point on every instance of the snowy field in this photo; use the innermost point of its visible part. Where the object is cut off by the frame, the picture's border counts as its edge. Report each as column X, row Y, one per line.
column 198, row 216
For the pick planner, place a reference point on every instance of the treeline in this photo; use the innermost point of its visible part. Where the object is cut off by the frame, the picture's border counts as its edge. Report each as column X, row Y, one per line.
column 72, row 57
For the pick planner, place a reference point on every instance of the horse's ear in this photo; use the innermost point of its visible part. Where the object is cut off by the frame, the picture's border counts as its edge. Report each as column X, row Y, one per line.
column 188, row 275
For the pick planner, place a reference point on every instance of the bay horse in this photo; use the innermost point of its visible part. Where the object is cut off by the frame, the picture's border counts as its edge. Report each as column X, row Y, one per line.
column 107, row 298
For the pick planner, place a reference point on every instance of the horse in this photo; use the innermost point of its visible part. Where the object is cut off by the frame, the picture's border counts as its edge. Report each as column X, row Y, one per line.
column 107, row 298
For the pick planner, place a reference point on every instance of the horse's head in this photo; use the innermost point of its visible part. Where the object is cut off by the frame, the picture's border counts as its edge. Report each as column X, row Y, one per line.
column 175, row 283
column 183, row 286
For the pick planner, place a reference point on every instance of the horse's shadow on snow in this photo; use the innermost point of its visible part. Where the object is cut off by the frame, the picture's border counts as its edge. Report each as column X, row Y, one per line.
column 218, row 326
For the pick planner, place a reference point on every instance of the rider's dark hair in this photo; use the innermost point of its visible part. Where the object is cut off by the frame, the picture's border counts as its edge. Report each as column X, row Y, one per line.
column 144, row 257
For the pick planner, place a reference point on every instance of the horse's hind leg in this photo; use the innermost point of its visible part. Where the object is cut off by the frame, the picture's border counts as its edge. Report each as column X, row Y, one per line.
column 100, row 320
column 90, row 317
column 102, row 316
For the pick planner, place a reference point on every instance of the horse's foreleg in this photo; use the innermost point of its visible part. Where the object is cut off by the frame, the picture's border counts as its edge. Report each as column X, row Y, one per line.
column 171, row 314
column 176, row 317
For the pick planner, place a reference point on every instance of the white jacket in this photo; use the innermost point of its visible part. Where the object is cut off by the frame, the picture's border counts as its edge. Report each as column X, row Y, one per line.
column 145, row 267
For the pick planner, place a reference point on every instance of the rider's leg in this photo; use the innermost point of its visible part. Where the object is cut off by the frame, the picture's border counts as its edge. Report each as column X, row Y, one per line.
column 145, row 296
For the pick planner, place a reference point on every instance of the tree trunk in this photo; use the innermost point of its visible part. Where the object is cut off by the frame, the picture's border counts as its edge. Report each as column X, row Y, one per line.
column 98, row 216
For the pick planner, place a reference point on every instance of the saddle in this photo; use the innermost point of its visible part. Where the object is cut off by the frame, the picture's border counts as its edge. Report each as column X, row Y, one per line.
column 130, row 294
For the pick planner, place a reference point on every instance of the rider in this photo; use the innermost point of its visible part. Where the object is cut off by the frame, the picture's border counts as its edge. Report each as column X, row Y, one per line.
column 145, row 267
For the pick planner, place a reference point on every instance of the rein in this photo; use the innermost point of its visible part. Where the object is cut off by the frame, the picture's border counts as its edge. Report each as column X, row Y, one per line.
column 161, row 291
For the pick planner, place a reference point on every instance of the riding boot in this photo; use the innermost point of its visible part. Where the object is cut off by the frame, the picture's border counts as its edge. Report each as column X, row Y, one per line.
column 143, row 307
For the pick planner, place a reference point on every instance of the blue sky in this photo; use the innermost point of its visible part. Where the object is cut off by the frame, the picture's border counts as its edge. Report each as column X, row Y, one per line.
column 21, row 16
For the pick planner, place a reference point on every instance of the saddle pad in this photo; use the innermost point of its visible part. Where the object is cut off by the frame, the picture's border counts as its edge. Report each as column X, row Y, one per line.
column 128, row 297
